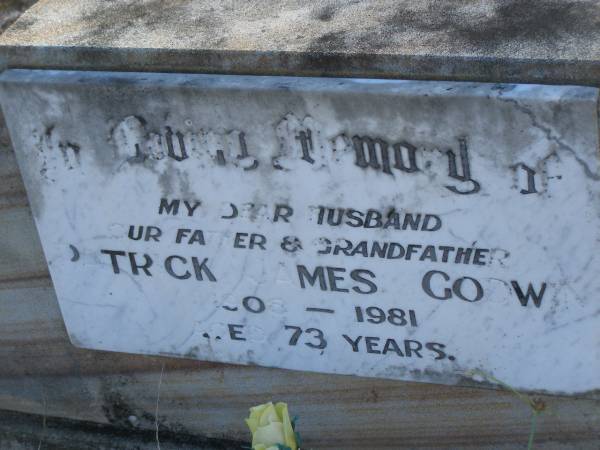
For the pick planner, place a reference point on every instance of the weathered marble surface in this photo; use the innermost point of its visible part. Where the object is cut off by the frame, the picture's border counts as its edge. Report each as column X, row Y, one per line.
column 508, row 173
column 544, row 41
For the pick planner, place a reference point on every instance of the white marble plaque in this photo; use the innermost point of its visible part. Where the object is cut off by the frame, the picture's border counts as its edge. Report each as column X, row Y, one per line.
column 431, row 231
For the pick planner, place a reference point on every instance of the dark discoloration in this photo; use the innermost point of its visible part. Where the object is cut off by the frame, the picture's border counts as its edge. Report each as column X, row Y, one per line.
column 48, row 131
column 114, row 20
column 325, row 13
column 513, row 22
column 18, row 430
column 19, row 25
column 116, row 409
column 74, row 147
column 122, row 413
column 10, row 10
column 332, row 41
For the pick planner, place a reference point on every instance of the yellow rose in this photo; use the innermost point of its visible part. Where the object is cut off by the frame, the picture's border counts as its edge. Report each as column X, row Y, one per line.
column 271, row 425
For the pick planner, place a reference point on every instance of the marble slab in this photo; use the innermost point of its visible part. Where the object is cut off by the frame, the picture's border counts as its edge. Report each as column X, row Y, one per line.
column 431, row 231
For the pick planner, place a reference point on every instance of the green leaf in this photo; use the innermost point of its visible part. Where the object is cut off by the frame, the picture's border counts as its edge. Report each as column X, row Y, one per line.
column 298, row 440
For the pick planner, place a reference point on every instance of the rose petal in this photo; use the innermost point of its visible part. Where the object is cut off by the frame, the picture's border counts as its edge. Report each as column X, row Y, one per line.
column 252, row 424
column 288, row 431
column 271, row 434
column 268, row 415
column 255, row 413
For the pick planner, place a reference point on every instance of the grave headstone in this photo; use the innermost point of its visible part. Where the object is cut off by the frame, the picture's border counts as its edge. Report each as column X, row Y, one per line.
column 435, row 231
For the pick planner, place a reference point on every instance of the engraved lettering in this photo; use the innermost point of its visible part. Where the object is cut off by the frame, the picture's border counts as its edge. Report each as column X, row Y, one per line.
column 465, row 174
column 531, row 293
